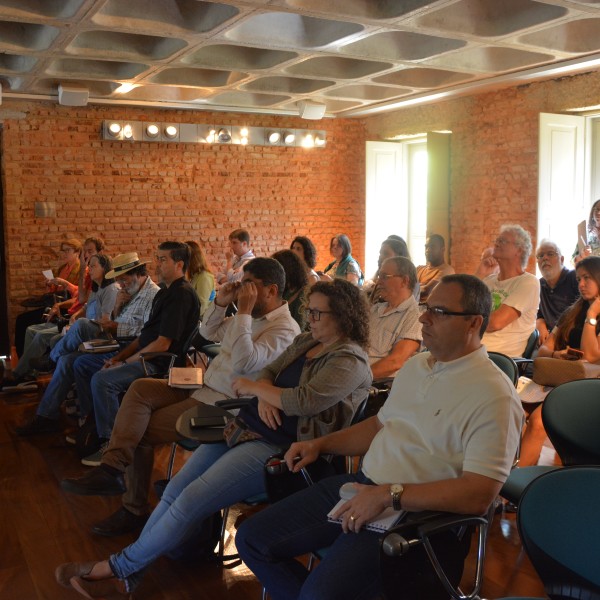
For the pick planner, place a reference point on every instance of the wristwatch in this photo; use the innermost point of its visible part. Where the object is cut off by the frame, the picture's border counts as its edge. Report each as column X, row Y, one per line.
column 396, row 490
column 592, row 321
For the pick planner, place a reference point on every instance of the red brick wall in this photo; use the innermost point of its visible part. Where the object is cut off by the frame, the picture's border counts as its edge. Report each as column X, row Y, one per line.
column 494, row 154
column 137, row 194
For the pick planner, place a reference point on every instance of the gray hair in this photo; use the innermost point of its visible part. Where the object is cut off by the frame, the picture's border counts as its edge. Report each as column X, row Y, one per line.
column 522, row 240
column 547, row 242
column 404, row 268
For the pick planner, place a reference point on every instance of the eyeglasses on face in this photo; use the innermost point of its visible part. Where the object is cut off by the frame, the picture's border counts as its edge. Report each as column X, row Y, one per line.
column 436, row 311
column 315, row 313
column 549, row 254
column 384, row 276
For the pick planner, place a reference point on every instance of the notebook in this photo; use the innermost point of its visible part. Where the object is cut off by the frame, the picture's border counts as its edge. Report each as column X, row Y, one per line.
column 384, row 521
column 531, row 392
column 185, row 377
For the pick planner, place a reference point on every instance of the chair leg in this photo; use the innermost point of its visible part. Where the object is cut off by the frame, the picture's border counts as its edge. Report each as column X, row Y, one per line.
column 171, row 461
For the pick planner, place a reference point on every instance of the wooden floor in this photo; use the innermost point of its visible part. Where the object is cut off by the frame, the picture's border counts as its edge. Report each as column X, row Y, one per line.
column 42, row 527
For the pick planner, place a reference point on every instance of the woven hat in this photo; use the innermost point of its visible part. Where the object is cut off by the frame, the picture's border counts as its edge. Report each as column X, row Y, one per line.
column 123, row 263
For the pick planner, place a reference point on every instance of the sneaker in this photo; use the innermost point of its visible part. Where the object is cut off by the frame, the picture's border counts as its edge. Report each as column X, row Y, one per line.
column 70, row 439
column 95, row 460
column 38, row 425
column 71, row 406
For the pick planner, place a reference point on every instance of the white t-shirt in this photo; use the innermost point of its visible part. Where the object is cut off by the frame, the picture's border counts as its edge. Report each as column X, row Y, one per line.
column 445, row 418
column 523, row 294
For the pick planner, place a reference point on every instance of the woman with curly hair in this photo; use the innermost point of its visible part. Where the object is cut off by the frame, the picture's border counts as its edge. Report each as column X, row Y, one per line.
column 306, row 250
column 576, row 328
column 296, row 281
column 313, row 388
column 200, row 276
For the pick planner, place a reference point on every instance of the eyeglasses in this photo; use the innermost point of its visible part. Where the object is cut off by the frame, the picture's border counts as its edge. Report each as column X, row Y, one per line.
column 315, row 313
column 384, row 276
column 435, row 311
column 550, row 254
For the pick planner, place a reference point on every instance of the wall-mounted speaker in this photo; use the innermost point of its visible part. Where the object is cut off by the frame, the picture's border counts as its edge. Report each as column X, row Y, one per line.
column 311, row 110
column 70, row 95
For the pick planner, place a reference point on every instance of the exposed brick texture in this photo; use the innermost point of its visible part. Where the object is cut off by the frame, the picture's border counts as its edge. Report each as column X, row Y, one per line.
column 494, row 154
column 137, row 194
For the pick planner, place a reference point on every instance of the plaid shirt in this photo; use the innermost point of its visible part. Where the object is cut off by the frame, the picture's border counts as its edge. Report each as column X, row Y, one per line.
column 136, row 312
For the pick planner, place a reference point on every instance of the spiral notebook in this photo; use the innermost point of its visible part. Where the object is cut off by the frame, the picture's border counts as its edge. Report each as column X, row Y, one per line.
column 384, row 521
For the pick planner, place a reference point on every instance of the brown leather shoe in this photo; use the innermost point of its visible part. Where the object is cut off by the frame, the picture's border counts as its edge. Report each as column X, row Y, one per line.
column 120, row 523
column 108, row 589
column 65, row 572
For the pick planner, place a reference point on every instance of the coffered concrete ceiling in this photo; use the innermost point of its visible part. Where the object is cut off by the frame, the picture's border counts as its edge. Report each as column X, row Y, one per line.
column 354, row 56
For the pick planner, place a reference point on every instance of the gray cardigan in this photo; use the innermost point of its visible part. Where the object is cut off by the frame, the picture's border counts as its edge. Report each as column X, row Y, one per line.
column 331, row 388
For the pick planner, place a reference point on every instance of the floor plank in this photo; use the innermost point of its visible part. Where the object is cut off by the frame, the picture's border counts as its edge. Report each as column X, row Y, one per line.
column 43, row 527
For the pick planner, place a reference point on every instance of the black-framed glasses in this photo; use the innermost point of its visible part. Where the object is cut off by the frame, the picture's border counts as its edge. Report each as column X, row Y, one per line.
column 549, row 254
column 315, row 313
column 436, row 311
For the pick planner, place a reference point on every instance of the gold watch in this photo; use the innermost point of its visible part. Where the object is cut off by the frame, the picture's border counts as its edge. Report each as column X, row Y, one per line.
column 396, row 491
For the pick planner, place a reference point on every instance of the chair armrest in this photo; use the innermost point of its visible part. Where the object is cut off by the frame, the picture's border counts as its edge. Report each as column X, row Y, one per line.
column 145, row 356
column 420, row 527
column 232, row 403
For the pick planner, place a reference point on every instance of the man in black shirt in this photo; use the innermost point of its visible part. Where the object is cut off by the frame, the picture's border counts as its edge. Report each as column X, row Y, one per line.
column 175, row 313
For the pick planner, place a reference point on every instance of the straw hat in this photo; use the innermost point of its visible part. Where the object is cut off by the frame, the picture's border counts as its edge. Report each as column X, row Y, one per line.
column 123, row 263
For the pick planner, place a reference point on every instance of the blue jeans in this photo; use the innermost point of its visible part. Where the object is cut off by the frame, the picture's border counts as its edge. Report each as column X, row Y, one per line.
column 82, row 330
column 59, row 386
column 84, row 369
column 270, row 541
column 213, row 478
column 37, row 342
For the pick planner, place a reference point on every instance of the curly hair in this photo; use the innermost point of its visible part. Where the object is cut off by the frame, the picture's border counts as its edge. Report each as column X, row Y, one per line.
column 295, row 272
column 348, row 306
column 308, row 248
column 522, row 240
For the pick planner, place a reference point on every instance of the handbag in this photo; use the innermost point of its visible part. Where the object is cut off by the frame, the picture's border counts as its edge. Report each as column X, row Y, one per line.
column 556, row 371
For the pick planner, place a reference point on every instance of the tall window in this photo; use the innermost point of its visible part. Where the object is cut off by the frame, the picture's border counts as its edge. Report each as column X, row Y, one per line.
column 396, row 197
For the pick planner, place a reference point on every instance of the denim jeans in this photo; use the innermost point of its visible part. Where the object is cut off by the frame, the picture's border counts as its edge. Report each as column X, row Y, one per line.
column 270, row 541
column 37, row 342
column 213, row 478
column 59, row 386
column 107, row 386
column 82, row 330
column 84, row 369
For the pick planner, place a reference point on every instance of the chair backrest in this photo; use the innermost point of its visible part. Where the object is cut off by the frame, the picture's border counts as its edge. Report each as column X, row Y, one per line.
column 571, row 417
column 506, row 364
column 531, row 345
column 559, row 527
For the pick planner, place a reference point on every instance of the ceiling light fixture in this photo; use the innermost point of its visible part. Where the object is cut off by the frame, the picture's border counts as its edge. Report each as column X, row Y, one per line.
column 289, row 138
column 152, row 130
column 114, row 129
column 128, row 132
column 124, row 88
column 171, row 131
column 274, row 137
column 308, row 141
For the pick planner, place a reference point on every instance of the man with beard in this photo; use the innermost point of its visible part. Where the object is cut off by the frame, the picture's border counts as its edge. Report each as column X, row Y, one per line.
column 259, row 332
column 131, row 311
